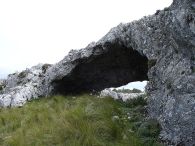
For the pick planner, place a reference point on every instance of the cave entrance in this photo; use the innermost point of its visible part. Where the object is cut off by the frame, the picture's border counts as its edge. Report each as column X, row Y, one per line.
column 116, row 66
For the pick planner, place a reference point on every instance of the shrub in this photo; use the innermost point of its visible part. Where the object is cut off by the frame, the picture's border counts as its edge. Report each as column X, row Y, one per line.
column 45, row 67
column 136, row 90
column 22, row 74
column 1, row 87
column 141, row 100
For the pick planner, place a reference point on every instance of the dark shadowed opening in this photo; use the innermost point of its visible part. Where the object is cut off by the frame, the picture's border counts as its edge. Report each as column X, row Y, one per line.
column 116, row 67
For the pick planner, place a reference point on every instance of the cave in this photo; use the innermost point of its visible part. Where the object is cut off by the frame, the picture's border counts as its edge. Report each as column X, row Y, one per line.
column 117, row 66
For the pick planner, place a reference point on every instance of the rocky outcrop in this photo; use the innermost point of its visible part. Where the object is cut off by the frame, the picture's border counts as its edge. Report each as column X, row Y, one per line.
column 121, row 96
column 158, row 48
column 23, row 86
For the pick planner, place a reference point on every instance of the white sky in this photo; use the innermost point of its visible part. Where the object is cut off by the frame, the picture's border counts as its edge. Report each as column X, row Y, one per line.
column 44, row 31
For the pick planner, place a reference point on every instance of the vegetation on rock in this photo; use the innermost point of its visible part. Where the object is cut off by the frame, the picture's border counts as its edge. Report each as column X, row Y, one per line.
column 45, row 67
column 1, row 87
column 22, row 74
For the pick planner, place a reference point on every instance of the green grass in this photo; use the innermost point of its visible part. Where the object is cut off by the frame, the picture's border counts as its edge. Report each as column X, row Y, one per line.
column 81, row 121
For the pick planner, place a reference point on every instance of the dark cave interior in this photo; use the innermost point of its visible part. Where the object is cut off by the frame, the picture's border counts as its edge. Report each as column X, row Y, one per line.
column 118, row 66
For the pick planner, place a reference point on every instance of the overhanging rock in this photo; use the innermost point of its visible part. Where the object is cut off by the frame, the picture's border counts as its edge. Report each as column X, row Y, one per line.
column 159, row 48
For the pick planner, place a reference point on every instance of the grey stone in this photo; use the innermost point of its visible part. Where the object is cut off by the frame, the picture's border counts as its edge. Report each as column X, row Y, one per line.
column 122, row 96
column 159, row 48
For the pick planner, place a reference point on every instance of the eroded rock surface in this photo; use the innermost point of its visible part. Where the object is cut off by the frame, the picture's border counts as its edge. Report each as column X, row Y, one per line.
column 121, row 96
column 159, row 48
column 18, row 88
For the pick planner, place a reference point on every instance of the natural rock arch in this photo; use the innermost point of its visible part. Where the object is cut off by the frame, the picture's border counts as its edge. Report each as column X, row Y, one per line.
column 115, row 67
column 167, row 39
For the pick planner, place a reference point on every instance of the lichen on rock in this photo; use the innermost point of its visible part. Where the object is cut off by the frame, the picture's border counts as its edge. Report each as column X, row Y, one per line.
column 122, row 56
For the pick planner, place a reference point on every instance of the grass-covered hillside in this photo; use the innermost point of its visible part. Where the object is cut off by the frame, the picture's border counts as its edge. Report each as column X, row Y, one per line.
column 78, row 121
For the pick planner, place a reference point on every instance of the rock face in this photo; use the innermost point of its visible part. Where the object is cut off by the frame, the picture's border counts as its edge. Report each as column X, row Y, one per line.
column 158, row 48
column 23, row 86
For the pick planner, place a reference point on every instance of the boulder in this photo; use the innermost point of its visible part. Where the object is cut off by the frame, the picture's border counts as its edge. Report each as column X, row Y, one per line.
column 21, row 87
column 121, row 96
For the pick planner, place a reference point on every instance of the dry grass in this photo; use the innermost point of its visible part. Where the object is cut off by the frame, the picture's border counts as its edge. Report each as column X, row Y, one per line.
column 81, row 121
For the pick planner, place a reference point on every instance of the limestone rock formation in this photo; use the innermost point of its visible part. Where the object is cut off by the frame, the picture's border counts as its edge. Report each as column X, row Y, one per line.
column 158, row 48
column 23, row 86
column 122, row 96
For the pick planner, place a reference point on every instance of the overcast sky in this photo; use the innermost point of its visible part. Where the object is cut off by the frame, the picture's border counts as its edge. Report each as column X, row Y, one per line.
column 44, row 31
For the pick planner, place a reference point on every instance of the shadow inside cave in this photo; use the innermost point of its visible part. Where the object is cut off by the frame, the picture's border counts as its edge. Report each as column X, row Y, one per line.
column 116, row 66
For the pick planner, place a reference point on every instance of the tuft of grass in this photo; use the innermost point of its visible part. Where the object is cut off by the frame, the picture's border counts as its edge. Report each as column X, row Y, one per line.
column 78, row 121
column 135, row 102
column 45, row 67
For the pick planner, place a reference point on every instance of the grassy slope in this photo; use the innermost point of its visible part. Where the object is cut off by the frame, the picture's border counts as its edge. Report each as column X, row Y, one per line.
column 81, row 121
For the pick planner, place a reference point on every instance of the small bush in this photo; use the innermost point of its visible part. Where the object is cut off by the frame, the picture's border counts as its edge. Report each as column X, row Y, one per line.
column 22, row 75
column 136, row 90
column 1, row 87
column 45, row 67
column 141, row 100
